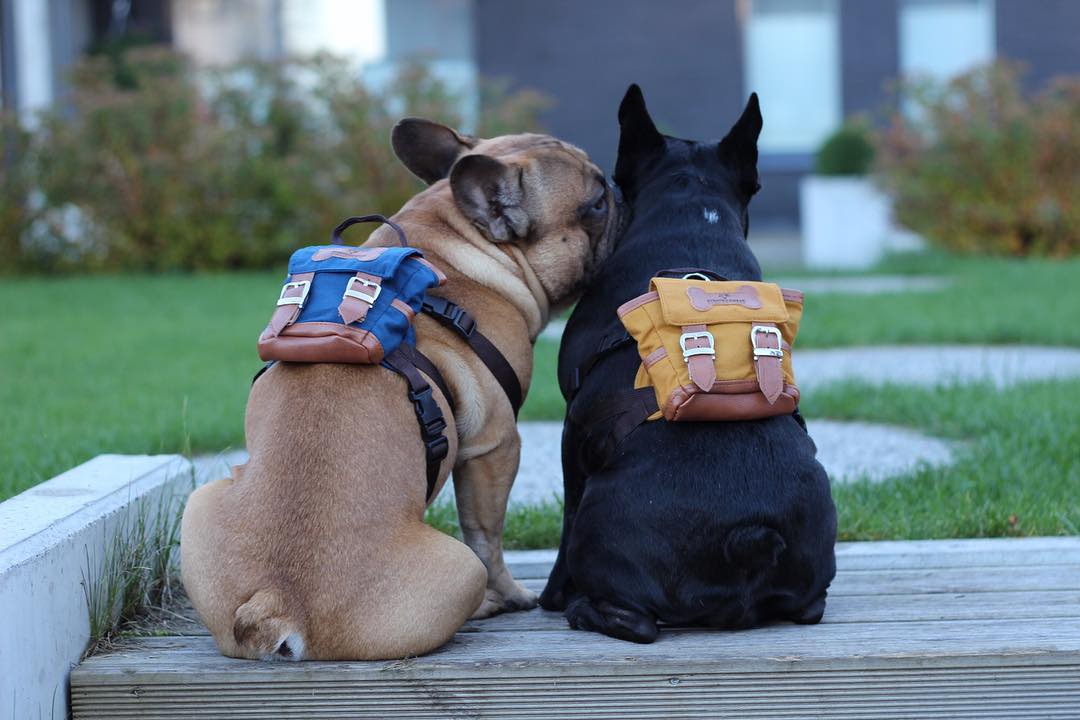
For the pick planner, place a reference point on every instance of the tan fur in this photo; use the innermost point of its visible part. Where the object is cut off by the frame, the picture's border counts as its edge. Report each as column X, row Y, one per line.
column 319, row 540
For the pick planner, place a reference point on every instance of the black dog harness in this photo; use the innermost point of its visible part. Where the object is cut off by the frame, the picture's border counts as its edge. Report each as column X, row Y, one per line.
column 408, row 362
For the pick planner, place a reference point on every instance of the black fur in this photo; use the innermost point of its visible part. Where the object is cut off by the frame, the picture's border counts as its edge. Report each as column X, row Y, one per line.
column 722, row 524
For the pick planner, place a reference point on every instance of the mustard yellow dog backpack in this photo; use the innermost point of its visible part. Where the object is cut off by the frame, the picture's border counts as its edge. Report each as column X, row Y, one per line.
column 715, row 350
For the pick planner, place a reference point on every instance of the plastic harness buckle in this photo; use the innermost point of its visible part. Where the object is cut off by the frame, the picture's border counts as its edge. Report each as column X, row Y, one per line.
column 427, row 410
column 451, row 313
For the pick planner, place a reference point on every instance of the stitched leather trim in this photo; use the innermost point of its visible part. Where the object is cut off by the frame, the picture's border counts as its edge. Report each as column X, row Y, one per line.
column 322, row 342
column 403, row 307
column 795, row 296
column 702, row 300
column 753, row 406
column 362, row 254
column 681, row 401
column 431, row 266
column 655, row 356
column 637, row 302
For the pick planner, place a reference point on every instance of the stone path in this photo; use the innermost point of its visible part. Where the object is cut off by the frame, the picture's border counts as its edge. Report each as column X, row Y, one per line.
column 932, row 365
column 848, row 450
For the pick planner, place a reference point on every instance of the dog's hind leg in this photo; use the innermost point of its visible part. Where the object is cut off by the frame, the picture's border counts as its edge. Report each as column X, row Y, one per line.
column 560, row 585
column 482, row 488
column 618, row 622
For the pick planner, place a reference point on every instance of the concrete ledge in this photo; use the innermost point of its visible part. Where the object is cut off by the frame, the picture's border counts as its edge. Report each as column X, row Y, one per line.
column 52, row 537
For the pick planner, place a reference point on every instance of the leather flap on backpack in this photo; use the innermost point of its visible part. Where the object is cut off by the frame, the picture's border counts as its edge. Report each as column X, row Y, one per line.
column 701, row 302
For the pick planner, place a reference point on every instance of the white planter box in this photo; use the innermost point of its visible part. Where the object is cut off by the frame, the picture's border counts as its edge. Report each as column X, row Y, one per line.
column 845, row 222
column 51, row 537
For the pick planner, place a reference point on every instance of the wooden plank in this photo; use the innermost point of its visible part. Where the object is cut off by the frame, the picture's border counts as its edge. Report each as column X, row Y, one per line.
column 949, row 580
column 841, row 609
column 825, row 646
column 894, row 555
column 687, row 683
column 869, row 608
column 910, row 631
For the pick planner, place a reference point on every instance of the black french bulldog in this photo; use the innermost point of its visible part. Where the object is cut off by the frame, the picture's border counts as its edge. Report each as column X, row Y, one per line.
column 723, row 524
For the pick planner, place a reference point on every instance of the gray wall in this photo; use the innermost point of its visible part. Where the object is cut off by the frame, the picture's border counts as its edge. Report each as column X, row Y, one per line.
column 687, row 57
column 1044, row 34
column 687, row 60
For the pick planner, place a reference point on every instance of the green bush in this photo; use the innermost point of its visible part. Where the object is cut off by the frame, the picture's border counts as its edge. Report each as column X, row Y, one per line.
column 848, row 151
column 977, row 167
column 177, row 168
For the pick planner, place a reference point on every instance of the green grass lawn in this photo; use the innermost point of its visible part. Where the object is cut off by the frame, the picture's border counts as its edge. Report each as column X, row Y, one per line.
column 162, row 364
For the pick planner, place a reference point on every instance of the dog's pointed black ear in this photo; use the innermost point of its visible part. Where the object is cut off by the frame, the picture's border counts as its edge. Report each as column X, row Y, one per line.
column 739, row 147
column 638, row 136
column 490, row 194
column 429, row 149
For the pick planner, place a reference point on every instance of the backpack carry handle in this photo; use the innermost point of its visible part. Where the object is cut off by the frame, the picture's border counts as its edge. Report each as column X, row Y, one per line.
column 335, row 237
column 689, row 273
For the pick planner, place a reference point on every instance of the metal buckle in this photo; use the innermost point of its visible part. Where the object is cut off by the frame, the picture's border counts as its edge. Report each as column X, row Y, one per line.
column 708, row 350
column 776, row 352
column 369, row 299
column 304, row 286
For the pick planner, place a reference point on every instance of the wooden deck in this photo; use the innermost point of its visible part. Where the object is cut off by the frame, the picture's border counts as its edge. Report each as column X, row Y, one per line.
column 929, row 629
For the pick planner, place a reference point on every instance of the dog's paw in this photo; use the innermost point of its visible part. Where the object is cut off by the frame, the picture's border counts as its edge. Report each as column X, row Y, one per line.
column 512, row 600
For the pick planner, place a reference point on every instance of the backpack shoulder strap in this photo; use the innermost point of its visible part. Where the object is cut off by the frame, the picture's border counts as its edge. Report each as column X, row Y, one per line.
column 453, row 316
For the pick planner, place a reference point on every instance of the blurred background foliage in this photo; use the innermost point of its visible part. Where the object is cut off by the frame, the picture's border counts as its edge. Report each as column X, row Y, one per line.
column 159, row 166
column 978, row 167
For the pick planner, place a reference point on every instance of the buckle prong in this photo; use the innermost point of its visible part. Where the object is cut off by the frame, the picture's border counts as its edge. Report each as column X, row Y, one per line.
column 776, row 352
column 304, row 285
column 709, row 349
column 368, row 298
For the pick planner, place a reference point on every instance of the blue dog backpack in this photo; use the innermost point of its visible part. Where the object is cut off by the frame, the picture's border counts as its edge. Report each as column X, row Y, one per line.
column 347, row 304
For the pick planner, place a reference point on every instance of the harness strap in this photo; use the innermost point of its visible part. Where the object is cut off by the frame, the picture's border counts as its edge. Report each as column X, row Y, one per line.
column 608, row 342
column 455, row 317
column 403, row 361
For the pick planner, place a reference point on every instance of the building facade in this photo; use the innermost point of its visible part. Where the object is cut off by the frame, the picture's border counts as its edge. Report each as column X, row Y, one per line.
column 812, row 62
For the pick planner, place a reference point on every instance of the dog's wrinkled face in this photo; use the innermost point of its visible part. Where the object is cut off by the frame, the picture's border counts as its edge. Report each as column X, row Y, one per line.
column 538, row 193
column 704, row 187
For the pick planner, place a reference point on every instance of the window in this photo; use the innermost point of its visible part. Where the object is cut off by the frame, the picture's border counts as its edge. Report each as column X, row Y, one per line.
column 943, row 38
column 793, row 63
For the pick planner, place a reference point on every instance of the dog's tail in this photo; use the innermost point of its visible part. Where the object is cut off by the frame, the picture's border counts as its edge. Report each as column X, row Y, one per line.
column 264, row 629
column 753, row 547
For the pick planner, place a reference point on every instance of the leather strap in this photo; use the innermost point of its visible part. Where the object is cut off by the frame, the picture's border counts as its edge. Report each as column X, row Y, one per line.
column 290, row 303
column 428, row 415
column 770, row 372
column 359, row 297
column 700, row 355
column 335, row 236
column 455, row 317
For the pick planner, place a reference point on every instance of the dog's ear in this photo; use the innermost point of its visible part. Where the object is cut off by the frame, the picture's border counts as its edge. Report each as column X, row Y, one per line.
column 490, row 194
column 638, row 136
column 739, row 150
column 428, row 148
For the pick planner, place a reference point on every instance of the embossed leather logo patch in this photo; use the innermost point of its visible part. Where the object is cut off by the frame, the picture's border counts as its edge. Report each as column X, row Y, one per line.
column 745, row 296
column 356, row 253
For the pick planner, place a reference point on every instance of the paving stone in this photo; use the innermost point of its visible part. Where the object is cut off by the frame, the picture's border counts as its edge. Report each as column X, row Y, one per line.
column 934, row 365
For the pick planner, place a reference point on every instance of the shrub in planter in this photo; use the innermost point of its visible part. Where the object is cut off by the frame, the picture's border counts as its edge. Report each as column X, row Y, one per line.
column 178, row 168
column 980, row 168
column 844, row 217
column 848, row 151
